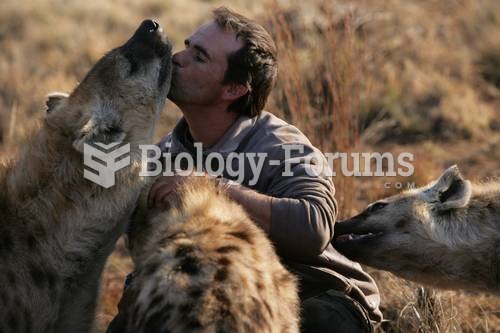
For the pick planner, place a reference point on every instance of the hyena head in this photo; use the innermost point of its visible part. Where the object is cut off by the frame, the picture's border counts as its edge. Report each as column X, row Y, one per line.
column 411, row 234
column 196, row 203
column 121, row 96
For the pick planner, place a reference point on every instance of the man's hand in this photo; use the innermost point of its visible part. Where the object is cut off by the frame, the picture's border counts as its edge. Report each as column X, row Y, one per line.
column 161, row 189
column 257, row 205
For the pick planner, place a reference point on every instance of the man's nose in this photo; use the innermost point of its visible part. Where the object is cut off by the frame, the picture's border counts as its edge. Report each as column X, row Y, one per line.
column 178, row 59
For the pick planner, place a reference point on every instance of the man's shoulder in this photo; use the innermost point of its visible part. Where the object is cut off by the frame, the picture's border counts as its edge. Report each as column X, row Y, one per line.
column 273, row 127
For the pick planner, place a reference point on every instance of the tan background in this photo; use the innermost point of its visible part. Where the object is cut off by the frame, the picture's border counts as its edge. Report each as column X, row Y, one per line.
column 398, row 76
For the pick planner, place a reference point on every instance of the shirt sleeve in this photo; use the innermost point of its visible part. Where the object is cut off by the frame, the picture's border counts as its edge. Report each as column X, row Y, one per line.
column 303, row 208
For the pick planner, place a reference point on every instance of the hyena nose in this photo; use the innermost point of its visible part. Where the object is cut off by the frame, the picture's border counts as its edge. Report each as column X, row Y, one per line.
column 148, row 42
column 150, row 25
column 148, row 31
column 156, row 25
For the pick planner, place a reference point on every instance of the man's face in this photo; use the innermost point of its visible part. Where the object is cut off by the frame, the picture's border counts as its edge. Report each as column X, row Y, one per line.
column 198, row 70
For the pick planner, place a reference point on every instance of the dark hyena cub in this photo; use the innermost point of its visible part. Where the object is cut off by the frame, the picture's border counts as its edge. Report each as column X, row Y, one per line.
column 204, row 266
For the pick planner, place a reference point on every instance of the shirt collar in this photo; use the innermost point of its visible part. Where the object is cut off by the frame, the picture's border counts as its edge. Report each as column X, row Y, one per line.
column 227, row 144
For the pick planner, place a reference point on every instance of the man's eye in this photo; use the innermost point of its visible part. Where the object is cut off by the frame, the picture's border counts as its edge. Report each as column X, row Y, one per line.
column 199, row 58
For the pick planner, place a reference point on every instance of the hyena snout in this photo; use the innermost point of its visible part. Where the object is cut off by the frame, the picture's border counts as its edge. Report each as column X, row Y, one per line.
column 150, row 36
column 124, row 92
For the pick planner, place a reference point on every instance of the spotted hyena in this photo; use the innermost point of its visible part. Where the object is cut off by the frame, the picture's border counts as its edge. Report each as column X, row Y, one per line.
column 446, row 234
column 203, row 266
column 57, row 228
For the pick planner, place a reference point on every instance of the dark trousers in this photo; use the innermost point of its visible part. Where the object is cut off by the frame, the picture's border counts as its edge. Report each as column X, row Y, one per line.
column 329, row 311
column 332, row 311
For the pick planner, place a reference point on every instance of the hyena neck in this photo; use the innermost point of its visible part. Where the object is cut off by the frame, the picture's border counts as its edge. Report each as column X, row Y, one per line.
column 49, row 176
column 37, row 166
column 483, row 213
column 477, row 269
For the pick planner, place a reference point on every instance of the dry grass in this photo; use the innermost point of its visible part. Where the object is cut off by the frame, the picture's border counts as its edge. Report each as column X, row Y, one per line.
column 415, row 76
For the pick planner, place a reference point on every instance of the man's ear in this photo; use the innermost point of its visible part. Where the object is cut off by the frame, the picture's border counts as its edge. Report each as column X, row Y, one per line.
column 104, row 127
column 233, row 91
column 55, row 99
column 450, row 191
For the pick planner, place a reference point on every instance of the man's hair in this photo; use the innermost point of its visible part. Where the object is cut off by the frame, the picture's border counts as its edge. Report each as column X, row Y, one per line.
column 254, row 65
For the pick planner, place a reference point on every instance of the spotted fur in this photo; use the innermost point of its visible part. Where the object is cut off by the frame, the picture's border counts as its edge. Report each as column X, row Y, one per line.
column 204, row 266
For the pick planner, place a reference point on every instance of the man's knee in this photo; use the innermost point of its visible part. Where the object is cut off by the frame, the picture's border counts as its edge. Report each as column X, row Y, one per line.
column 332, row 311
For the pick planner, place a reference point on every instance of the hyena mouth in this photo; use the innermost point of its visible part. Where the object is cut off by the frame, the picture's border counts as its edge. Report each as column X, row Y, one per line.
column 355, row 237
column 354, row 231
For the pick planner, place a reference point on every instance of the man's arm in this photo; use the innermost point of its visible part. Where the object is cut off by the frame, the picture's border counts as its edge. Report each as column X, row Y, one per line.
column 257, row 205
column 299, row 227
column 298, row 212
column 303, row 209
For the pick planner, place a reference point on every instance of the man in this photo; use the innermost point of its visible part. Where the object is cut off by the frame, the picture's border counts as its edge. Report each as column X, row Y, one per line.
column 221, row 81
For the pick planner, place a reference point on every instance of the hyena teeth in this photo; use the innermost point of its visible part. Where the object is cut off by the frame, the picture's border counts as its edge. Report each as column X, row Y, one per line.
column 350, row 237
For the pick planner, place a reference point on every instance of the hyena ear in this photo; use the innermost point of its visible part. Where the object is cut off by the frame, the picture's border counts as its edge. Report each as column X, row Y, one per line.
column 55, row 99
column 105, row 128
column 451, row 190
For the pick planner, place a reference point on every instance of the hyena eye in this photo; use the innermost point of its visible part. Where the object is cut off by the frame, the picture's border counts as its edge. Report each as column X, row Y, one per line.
column 376, row 206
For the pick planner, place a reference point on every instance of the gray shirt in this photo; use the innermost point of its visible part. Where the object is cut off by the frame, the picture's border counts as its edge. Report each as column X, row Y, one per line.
column 303, row 207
